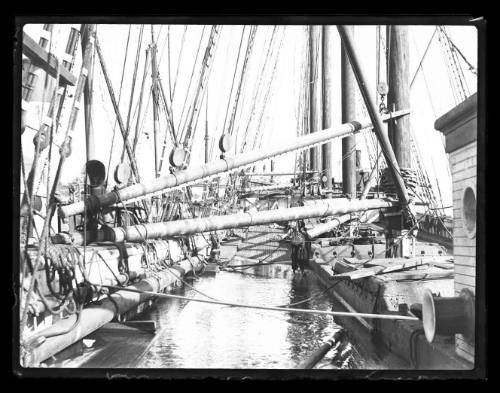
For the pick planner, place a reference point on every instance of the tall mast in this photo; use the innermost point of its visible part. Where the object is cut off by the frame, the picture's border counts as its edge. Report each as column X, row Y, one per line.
column 348, row 112
column 399, row 132
column 87, row 32
column 376, row 118
column 154, row 88
column 328, row 58
column 398, row 97
column 315, row 91
column 206, row 128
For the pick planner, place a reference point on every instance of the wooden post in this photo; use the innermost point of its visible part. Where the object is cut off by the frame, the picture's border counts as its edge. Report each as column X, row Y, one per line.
column 315, row 92
column 348, row 112
column 398, row 97
column 328, row 58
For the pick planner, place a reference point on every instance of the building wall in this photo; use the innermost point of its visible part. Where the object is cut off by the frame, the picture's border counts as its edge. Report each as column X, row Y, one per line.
column 459, row 125
column 464, row 168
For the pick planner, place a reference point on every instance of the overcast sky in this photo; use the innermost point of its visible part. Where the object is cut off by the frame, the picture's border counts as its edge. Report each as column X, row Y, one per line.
column 431, row 94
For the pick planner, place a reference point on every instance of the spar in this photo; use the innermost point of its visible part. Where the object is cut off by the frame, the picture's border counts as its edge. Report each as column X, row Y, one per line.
column 323, row 208
column 200, row 172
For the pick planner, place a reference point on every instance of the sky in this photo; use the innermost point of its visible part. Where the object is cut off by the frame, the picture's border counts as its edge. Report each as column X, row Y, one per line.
column 431, row 94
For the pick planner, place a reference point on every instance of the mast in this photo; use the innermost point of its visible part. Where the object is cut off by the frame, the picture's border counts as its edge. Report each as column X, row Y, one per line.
column 348, row 87
column 398, row 97
column 376, row 118
column 207, row 137
column 154, row 89
column 88, row 31
column 399, row 132
column 315, row 91
column 328, row 58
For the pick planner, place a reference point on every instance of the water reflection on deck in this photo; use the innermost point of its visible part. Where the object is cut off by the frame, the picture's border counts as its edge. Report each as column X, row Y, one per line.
column 198, row 335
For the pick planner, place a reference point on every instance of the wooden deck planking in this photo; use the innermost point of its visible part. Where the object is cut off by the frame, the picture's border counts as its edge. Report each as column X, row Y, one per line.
column 117, row 346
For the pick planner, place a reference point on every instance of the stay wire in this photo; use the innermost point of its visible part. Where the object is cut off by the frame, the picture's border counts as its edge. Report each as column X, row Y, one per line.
column 420, row 63
column 282, row 309
column 119, row 99
column 134, row 81
column 233, row 79
column 179, row 60
column 257, row 90
column 183, row 131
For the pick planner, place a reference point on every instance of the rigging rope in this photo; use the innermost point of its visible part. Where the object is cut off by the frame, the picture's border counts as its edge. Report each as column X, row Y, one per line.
column 183, row 129
column 179, row 60
column 161, row 54
column 202, row 82
column 134, row 80
column 119, row 99
column 420, row 63
column 50, row 198
column 268, row 92
column 234, row 77
column 251, row 38
column 281, row 309
column 257, row 90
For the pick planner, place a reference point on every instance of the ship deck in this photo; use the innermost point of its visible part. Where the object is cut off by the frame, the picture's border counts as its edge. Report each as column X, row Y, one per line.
column 388, row 293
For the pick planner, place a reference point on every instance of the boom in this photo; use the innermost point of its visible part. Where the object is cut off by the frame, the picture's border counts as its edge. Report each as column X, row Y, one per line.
column 199, row 172
column 327, row 207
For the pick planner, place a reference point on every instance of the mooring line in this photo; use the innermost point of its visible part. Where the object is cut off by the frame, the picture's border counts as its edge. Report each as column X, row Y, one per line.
column 298, row 310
